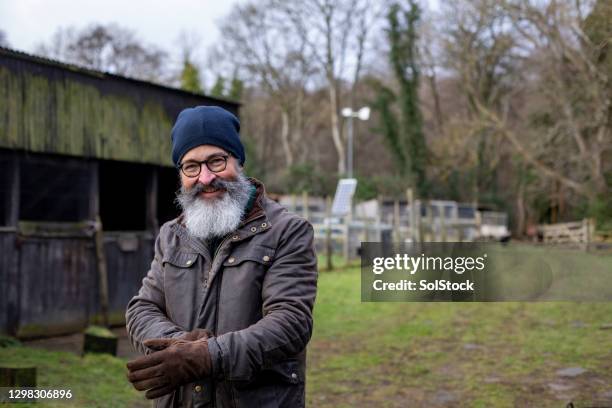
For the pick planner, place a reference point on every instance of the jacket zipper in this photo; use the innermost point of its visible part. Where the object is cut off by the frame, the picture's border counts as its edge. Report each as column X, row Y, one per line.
column 212, row 262
column 218, row 294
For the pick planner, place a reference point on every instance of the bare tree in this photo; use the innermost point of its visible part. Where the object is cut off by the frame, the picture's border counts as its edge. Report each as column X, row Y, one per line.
column 335, row 33
column 534, row 93
column 108, row 48
column 575, row 88
column 274, row 60
column 479, row 47
column 557, row 62
column 429, row 55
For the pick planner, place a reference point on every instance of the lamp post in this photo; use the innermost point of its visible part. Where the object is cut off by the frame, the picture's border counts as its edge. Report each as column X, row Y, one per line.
column 362, row 114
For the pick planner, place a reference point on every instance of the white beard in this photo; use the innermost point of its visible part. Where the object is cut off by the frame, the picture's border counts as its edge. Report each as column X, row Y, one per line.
column 217, row 217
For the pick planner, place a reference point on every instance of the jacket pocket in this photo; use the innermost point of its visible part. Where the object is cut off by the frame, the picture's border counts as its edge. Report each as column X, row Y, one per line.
column 280, row 385
column 290, row 388
column 287, row 371
column 256, row 253
column 180, row 258
column 183, row 285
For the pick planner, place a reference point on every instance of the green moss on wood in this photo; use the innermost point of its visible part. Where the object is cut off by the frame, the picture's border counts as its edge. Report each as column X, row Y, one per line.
column 8, row 341
column 100, row 331
column 115, row 318
column 34, row 330
column 69, row 117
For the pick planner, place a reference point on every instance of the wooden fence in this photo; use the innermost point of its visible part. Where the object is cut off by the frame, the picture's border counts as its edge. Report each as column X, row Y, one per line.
column 579, row 233
column 410, row 220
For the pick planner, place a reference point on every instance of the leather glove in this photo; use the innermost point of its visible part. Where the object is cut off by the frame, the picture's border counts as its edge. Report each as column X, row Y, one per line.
column 179, row 362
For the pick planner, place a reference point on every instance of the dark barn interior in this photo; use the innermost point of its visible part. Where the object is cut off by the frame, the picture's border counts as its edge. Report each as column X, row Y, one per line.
column 76, row 145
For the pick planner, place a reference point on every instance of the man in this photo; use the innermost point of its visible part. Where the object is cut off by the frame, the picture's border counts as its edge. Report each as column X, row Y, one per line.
column 225, row 312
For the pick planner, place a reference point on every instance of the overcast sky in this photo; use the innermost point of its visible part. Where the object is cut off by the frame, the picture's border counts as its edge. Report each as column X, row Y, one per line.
column 28, row 22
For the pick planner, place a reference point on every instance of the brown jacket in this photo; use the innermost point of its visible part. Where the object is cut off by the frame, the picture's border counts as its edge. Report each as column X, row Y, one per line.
column 255, row 294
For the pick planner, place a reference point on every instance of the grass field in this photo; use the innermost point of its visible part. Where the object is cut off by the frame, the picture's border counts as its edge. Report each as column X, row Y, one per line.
column 94, row 380
column 460, row 354
column 409, row 354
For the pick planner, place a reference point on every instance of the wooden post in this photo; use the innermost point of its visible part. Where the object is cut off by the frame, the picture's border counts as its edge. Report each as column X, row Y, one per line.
column 96, row 344
column 151, row 211
column 94, row 191
column 412, row 219
column 478, row 222
column 305, row 211
column 365, row 233
column 14, row 294
column 293, row 203
column 455, row 223
column 430, row 222
column 420, row 220
column 379, row 214
column 588, row 226
column 347, row 242
column 17, row 376
column 12, row 210
column 328, row 236
column 100, row 340
column 396, row 221
column 102, row 272
column 443, row 222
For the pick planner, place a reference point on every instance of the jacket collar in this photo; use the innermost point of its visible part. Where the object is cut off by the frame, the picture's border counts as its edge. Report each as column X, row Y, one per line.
column 256, row 220
column 257, row 208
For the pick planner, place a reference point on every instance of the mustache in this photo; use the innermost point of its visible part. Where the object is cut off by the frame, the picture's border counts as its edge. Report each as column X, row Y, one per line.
column 199, row 187
column 217, row 184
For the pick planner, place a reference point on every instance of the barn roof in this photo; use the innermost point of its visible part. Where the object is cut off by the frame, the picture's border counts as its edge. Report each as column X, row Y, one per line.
column 47, row 106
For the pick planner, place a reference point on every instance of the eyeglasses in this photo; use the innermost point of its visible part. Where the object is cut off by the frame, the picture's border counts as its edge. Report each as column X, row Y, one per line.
column 193, row 168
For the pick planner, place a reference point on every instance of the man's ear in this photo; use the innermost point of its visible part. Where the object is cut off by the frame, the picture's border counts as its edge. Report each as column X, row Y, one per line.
column 236, row 161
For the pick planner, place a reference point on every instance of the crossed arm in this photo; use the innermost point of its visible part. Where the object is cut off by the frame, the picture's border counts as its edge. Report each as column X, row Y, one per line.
column 288, row 293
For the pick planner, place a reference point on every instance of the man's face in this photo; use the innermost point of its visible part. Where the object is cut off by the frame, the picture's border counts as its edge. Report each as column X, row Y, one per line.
column 213, row 202
column 206, row 177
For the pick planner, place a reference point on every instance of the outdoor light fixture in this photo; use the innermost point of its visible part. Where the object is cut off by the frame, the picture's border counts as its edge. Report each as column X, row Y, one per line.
column 362, row 114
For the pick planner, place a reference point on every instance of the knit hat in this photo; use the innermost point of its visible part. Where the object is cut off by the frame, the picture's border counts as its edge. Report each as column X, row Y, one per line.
column 206, row 125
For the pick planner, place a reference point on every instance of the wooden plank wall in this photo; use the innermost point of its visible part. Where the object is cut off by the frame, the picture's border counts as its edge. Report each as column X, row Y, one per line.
column 128, row 258
column 56, row 288
column 50, row 284
column 9, row 282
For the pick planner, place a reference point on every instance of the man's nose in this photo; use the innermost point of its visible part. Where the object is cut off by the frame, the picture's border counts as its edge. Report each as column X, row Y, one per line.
column 206, row 176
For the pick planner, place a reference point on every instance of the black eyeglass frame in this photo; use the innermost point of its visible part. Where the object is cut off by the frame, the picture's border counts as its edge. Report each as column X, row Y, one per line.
column 217, row 156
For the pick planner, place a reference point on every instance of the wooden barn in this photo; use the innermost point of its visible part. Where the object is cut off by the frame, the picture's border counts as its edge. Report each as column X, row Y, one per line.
column 76, row 145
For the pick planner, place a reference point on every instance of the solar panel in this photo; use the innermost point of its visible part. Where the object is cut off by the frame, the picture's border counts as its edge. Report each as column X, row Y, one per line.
column 343, row 197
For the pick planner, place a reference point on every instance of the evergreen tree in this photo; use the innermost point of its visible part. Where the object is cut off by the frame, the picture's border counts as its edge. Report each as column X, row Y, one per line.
column 190, row 78
column 218, row 89
column 236, row 88
column 404, row 135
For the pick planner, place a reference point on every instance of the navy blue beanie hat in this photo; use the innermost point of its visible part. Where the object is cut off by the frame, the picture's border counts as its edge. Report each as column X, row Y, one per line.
column 206, row 125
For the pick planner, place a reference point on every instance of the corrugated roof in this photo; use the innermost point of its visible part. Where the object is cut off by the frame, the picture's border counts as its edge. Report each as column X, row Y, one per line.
column 48, row 106
column 101, row 74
